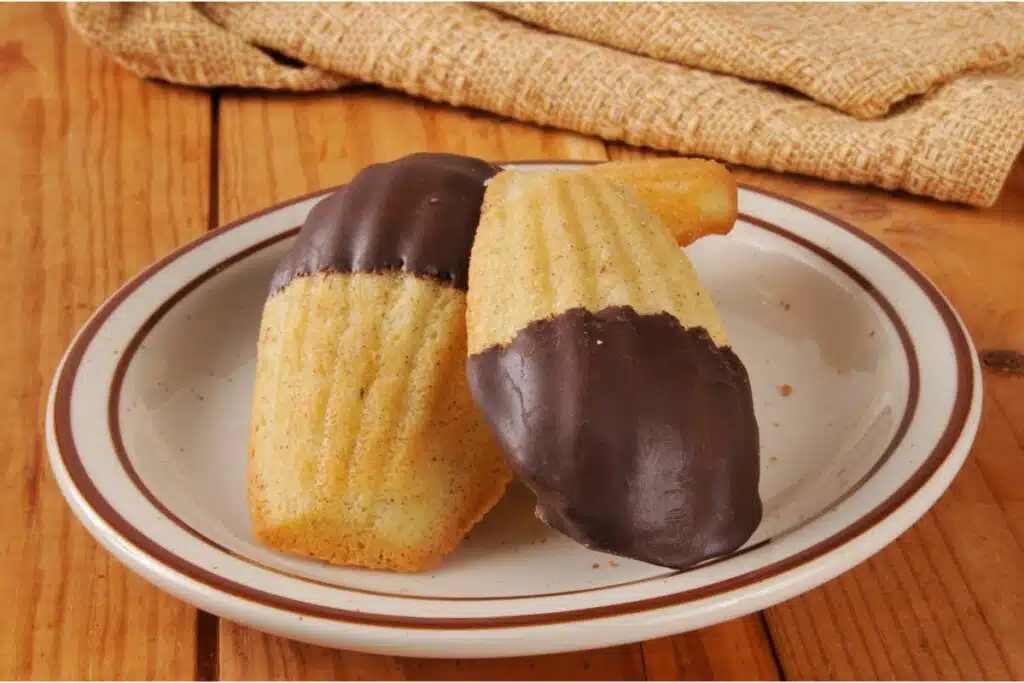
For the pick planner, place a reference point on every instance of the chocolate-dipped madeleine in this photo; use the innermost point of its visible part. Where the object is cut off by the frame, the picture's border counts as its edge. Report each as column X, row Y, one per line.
column 366, row 448
column 604, row 371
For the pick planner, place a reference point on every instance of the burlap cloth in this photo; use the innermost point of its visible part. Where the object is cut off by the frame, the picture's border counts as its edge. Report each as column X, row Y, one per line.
column 924, row 98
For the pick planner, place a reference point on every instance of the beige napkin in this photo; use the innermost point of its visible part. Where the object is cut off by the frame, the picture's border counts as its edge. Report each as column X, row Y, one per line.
column 919, row 97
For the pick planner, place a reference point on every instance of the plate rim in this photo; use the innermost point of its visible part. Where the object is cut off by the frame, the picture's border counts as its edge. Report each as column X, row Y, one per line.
column 140, row 334
column 957, row 426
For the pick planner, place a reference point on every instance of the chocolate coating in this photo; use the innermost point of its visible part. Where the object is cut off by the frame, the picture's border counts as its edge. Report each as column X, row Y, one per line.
column 637, row 435
column 417, row 214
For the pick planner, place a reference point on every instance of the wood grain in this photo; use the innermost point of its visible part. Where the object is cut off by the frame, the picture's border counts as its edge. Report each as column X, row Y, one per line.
column 1007, row 328
column 101, row 174
column 279, row 146
column 937, row 603
column 247, row 655
column 734, row 650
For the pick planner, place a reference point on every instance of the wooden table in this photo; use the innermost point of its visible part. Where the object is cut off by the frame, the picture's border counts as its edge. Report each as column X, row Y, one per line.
column 102, row 173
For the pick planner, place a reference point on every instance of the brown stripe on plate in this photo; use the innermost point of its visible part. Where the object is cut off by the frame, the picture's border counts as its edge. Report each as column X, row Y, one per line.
column 913, row 364
column 140, row 335
column 76, row 470
column 114, row 422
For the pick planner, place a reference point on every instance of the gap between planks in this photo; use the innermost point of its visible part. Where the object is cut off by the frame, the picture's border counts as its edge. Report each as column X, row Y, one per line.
column 208, row 625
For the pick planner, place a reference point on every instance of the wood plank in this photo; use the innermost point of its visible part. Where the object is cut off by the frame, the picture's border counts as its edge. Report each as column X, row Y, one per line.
column 1008, row 389
column 937, row 603
column 258, row 656
column 279, row 146
column 102, row 173
column 734, row 650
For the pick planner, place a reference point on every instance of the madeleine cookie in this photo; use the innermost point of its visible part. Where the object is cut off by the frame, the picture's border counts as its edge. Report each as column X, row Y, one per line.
column 692, row 197
column 366, row 448
column 604, row 371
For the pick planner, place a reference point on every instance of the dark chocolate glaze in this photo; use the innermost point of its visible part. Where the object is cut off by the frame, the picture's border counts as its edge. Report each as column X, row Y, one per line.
column 417, row 214
column 637, row 435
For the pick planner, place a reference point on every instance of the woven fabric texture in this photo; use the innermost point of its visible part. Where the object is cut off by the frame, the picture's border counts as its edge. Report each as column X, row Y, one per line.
column 929, row 101
column 860, row 58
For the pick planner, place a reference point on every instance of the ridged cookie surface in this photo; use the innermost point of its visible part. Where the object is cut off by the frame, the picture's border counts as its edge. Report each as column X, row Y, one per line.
column 603, row 369
column 550, row 241
column 366, row 447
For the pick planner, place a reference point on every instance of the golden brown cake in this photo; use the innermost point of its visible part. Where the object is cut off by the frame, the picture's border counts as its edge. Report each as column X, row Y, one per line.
column 602, row 367
column 366, row 447
column 693, row 197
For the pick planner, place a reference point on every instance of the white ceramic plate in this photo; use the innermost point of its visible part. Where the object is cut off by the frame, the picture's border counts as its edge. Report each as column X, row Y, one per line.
column 148, row 416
